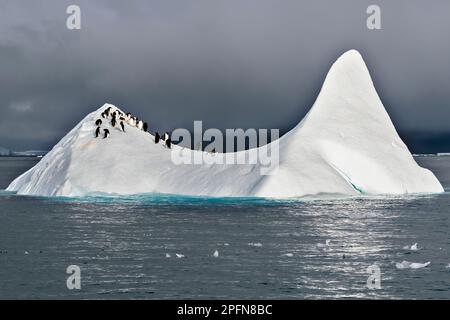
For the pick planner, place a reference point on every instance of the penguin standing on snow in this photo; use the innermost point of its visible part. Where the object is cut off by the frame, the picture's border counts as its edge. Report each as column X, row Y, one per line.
column 165, row 136
column 145, row 127
column 103, row 115
column 122, row 126
column 113, row 121
column 108, row 111
column 140, row 124
column 157, row 137
column 106, row 133
column 98, row 122
column 97, row 132
column 168, row 143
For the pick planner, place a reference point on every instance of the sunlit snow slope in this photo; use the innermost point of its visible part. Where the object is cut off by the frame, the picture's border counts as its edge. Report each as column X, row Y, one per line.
column 346, row 144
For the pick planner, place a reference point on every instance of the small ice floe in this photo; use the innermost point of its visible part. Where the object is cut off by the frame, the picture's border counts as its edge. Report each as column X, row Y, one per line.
column 26, row 252
column 179, row 255
column 216, row 254
column 411, row 265
column 255, row 244
column 414, row 247
column 326, row 244
column 226, row 244
column 167, row 255
column 288, row 255
column 448, row 266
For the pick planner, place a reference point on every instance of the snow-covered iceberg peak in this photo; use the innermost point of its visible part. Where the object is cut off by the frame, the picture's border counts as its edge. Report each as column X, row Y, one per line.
column 346, row 144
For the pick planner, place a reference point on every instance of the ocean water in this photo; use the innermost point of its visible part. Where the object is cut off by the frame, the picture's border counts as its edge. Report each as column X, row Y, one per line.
column 298, row 249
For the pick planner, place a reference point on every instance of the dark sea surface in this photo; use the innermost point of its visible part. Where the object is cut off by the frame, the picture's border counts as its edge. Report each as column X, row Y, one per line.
column 302, row 249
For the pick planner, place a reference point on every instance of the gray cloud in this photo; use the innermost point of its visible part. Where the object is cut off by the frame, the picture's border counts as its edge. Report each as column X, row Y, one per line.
column 246, row 63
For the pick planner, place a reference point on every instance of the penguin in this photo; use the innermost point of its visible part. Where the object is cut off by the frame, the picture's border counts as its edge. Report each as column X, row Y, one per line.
column 145, row 127
column 98, row 122
column 132, row 122
column 122, row 119
column 122, row 126
column 97, row 132
column 103, row 115
column 157, row 137
column 140, row 124
column 106, row 133
column 165, row 136
column 108, row 111
column 128, row 116
column 168, row 143
column 113, row 121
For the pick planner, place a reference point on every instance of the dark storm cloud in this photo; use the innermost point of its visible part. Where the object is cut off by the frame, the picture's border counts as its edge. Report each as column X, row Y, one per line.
column 229, row 63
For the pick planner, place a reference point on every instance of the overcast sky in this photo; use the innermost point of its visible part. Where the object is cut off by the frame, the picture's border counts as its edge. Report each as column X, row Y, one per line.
column 231, row 63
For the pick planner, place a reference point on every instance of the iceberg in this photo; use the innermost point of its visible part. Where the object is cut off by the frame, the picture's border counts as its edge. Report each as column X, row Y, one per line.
column 346, row 144
column 411, row 265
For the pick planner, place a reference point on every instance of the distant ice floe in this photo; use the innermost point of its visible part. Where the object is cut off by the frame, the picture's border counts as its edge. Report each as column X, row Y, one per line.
column 216, row 254
column 326, row 244
column 411, row 265
column 168, row 255
column 413, row 247
column 255, row 244
column 290, row 255
column 179, row 255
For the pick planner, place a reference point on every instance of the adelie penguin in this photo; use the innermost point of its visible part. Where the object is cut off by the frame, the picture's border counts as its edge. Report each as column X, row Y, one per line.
column 157, row 137
column 97, row 132
column 113, row 121
column 122, row 126
column 98, row 122
column 106, row 133
column 145, row 126
column 168, row 142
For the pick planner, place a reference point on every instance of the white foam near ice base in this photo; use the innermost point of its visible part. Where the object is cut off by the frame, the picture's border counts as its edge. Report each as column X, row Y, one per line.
column 346, row 144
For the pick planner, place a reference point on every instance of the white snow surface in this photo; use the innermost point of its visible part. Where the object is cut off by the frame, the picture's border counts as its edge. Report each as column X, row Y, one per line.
column 346, row 144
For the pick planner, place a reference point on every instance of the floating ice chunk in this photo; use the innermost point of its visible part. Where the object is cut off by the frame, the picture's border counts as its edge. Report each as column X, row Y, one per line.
column 255, row 244
column 216, row 254
column 167, row 255
column 411, row 265
column 326, row 244
column 413, row 247
column 179, row 255
column 288, row 255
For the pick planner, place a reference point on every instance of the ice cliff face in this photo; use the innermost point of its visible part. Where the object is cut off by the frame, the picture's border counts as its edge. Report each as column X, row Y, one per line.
column 346, row 144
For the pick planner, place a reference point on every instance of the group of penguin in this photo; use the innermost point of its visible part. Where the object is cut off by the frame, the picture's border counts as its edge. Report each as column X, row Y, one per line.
column 118, row 117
